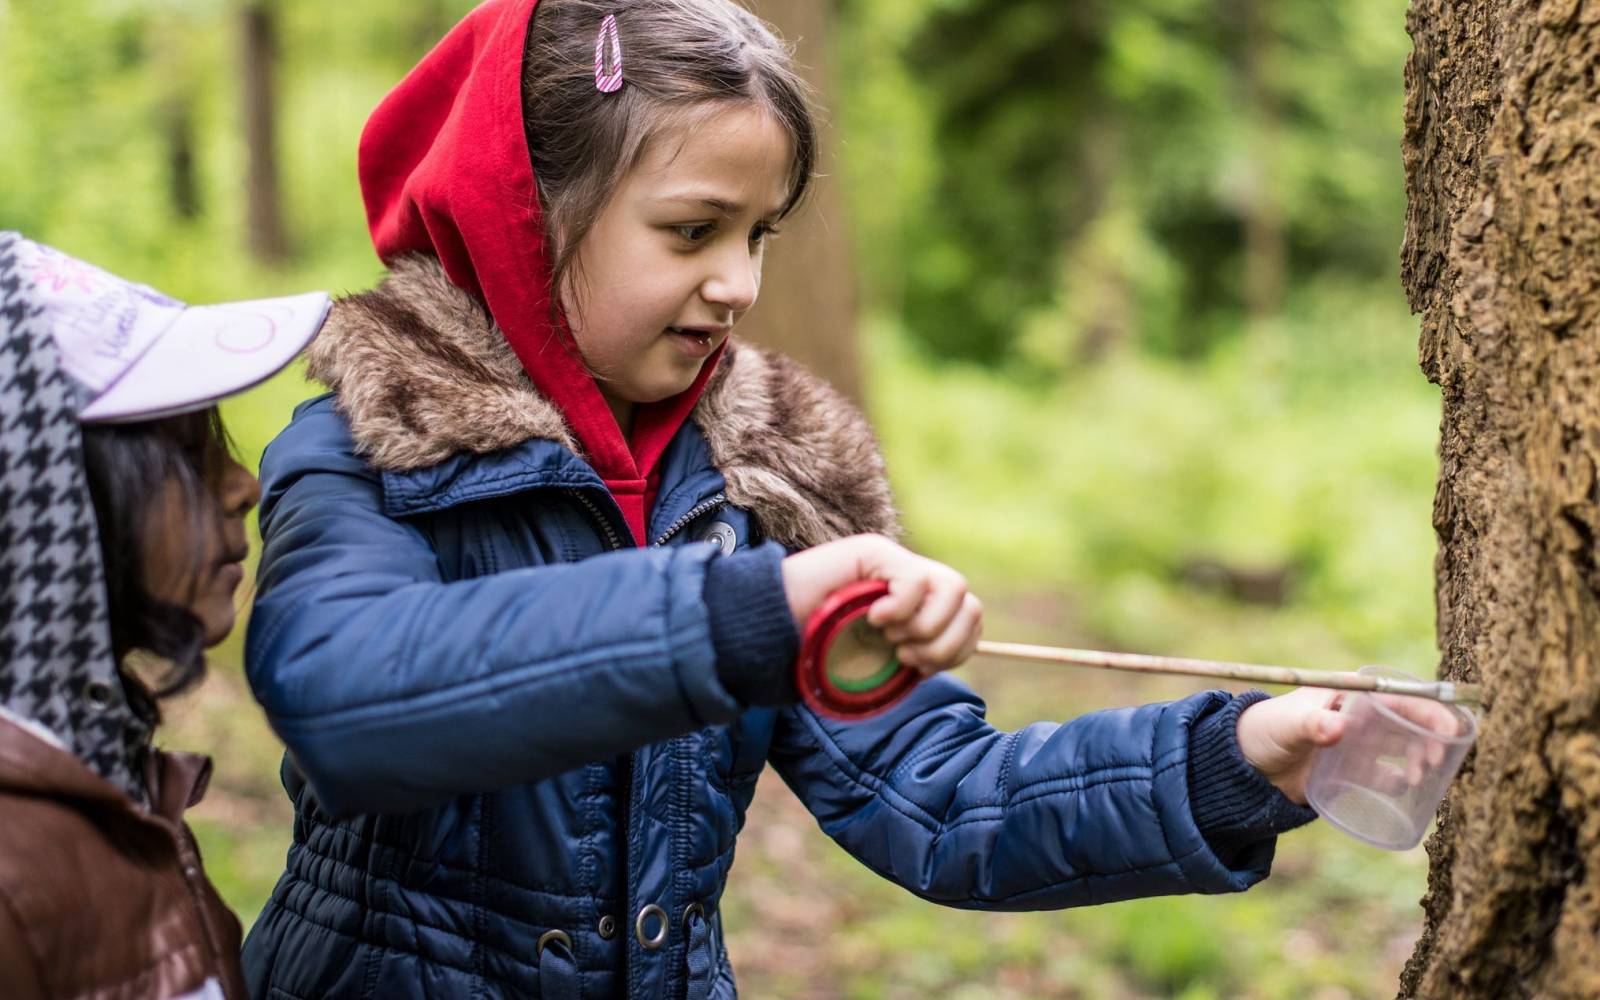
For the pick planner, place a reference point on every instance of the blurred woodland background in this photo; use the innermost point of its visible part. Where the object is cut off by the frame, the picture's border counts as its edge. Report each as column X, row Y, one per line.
column 1118, row 285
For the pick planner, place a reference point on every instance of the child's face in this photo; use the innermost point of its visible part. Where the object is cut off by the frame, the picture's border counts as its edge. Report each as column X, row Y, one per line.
column 201, row 574
column 674, row 260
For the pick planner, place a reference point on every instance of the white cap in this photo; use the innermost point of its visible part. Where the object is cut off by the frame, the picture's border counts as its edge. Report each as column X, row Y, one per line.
column 143, row 355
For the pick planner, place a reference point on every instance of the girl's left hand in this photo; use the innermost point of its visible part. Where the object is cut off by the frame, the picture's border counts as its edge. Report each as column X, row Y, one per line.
column 1279, row 737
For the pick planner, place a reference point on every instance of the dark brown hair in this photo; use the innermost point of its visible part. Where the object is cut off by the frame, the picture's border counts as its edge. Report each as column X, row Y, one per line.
column 131, row 469
column 681, row 59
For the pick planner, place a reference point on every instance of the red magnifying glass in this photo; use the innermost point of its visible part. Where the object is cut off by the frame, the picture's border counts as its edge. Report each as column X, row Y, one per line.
column 847, row 670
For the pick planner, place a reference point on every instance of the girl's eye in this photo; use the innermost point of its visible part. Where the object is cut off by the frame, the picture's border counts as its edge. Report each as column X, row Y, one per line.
column 694, row 233
column 761, row 232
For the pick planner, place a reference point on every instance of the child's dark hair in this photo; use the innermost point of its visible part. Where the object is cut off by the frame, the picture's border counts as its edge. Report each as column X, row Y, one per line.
column 132, row 469
column 681, row 59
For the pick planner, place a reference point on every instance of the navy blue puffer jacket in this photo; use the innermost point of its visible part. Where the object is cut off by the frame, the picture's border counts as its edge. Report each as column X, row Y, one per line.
column 515, row 770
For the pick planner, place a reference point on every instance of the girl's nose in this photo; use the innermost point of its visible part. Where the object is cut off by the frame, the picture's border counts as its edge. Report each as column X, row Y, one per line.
column 240, row 491
column 735, row 282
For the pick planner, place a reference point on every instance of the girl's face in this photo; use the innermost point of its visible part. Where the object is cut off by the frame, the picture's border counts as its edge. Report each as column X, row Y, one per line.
column 201, row 574
column 674, row 260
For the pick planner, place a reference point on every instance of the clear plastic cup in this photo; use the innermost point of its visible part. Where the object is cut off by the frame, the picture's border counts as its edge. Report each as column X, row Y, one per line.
column 1383, row 781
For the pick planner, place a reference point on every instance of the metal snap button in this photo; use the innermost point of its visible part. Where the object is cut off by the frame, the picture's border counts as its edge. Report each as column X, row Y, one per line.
column 98, row 695
column 721, row 535
column 659, row 937
column 607, row 928
column 691, row 911
column 549, row 938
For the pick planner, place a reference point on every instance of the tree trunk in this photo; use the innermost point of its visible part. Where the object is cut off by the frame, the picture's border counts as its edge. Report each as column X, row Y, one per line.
column 1502, row 258
column 808, row 295
column 1098, row 291
column 177, row 113
column 1266, row 245
column 266, row 235
column 183, row 189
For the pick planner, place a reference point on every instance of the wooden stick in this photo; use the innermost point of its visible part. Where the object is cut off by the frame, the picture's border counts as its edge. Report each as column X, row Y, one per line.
column 1448, row 692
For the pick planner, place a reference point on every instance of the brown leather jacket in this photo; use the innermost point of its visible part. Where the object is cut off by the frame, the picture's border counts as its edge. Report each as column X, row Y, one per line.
column 99, row 898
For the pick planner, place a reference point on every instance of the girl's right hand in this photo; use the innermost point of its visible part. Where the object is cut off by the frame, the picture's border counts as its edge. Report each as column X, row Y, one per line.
column 929, row 614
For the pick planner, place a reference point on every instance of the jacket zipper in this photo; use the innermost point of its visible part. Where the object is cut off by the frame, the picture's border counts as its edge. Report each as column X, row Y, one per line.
column 613, row 538
column 613, row 541
column 700, row 509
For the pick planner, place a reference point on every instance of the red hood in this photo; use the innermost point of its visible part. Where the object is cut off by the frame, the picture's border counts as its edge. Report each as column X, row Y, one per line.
column 445, row 171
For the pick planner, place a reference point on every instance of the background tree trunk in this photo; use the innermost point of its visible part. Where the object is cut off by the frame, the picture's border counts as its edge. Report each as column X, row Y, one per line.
column 1502, row 258
column 176, row 111
column 183, row 188
column 808, row 295
column 1099, row 292
column 1266, row 244
column 267, row 237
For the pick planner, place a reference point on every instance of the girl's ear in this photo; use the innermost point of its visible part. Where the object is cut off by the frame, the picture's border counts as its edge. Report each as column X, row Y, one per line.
column 565, row 300
column 573, row 291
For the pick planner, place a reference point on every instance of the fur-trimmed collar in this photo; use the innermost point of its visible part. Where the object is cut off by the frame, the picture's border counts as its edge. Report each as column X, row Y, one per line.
column 421, row 372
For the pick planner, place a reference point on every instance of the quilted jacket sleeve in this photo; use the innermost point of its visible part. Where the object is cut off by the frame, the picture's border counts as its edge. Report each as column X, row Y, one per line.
column 395, row 691
column 934, row 798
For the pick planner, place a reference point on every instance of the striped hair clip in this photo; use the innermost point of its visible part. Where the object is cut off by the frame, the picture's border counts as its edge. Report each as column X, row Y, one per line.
column 608, row 82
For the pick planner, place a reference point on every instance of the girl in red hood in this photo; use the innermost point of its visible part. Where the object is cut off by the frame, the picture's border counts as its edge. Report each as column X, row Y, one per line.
column 533, row 570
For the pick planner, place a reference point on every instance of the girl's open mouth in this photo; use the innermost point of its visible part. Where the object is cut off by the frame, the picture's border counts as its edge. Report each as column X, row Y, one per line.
column 695, row 343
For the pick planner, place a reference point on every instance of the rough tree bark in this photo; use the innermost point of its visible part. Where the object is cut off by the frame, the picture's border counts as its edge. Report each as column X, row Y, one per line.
column 808, row 294
column 1502, row 258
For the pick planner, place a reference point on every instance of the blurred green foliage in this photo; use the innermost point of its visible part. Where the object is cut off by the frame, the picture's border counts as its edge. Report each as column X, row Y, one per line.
column 1080, row 405
column 1034, row 164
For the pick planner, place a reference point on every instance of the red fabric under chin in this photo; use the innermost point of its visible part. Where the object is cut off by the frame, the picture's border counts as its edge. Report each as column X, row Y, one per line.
column 445, row 170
